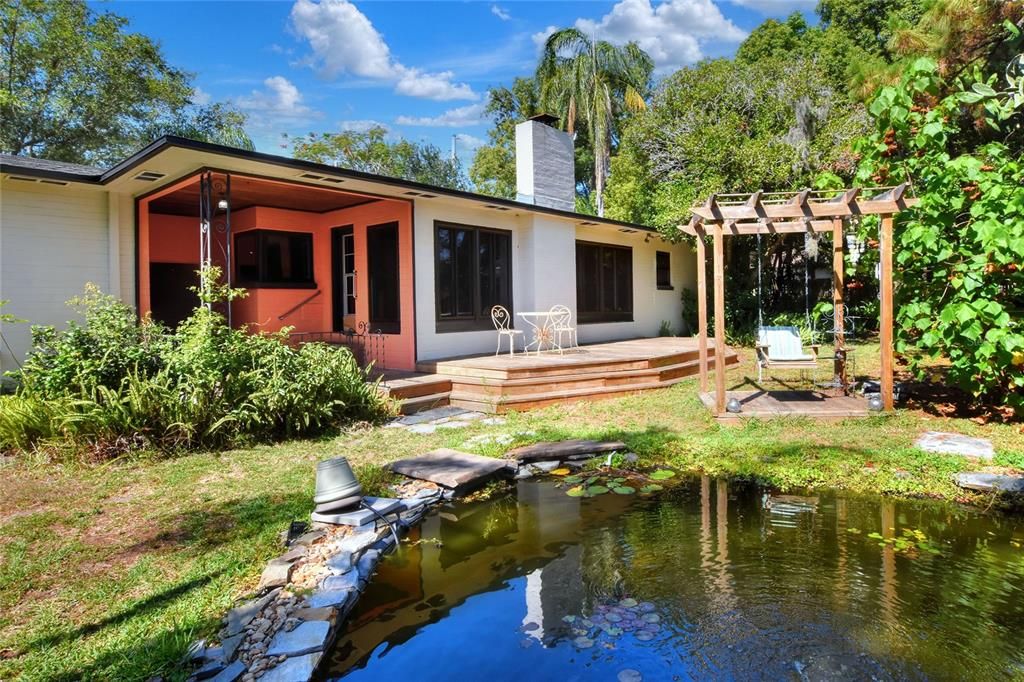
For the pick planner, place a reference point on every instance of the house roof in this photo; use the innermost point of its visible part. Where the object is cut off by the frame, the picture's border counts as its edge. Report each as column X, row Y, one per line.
column 46, row 168
column 58, row 170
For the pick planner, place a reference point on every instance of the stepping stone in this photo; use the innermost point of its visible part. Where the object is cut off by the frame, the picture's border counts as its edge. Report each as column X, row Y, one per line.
column 307, row 638
column 566, row 449
column 955, row 444
column 294, row 669
column 430, row 415
column 452, row 469
column 360, row 517
column 977, row 480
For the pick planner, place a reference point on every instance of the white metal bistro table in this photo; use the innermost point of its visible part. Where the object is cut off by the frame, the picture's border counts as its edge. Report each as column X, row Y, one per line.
column 540, row 322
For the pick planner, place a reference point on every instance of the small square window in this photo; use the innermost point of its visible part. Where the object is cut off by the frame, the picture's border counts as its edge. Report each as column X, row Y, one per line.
column 663, row 265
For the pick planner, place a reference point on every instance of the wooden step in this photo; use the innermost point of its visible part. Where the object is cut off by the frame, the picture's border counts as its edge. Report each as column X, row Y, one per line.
column 424, row 402
column 592, row 379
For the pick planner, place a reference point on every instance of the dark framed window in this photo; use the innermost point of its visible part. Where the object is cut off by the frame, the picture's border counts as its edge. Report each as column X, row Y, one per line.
column 473, row 267
column 271, row 258
column 383, row 276
column 604, row 283
column 663, row 267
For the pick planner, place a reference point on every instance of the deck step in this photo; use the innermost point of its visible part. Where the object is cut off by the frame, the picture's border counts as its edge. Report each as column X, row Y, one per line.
column 424, row 402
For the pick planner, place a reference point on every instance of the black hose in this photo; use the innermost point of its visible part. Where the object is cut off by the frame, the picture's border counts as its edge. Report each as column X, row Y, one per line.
column 376, row 513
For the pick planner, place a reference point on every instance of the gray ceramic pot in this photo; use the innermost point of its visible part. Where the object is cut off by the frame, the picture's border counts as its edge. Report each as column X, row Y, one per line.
column 335, row 481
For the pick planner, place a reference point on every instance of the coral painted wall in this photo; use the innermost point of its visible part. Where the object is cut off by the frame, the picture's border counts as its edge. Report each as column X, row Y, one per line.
column 175, row 239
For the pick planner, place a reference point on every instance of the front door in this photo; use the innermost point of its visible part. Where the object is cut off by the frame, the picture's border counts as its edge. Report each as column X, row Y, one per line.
column 343, row 278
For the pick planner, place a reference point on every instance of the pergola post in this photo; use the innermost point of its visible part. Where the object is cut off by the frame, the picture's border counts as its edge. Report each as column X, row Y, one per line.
column 719, row 320
column 886, row 321
column 702, row 307
column 838, row 312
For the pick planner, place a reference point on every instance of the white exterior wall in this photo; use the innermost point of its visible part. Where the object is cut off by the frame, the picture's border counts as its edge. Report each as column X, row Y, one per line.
column 650, row 304
column 53, row 240
column 543, row 275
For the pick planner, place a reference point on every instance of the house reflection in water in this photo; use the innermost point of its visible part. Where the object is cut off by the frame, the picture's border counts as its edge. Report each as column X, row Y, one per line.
column 469, row 549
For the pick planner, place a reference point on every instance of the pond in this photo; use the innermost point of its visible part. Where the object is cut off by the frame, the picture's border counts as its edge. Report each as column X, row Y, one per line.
column 712, row 579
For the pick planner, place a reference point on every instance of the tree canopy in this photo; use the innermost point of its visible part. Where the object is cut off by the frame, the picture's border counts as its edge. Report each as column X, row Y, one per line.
column 371, row 151
column 76, row 86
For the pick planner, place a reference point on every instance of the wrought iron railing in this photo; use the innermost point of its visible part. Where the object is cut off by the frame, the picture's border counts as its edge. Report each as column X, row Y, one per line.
column 366, row 344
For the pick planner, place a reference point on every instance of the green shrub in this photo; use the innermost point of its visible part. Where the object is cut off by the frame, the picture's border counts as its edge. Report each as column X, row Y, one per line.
column 114, row 384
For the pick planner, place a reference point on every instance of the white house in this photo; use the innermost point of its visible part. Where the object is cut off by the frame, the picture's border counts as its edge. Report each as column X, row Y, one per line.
column 324, row 250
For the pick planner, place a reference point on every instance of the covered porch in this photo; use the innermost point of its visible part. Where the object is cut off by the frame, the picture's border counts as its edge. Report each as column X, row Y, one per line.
column 327, row 264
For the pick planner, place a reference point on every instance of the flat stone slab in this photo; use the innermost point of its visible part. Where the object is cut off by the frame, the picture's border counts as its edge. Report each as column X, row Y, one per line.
column 294, row 669
column 307, row 638
column 450, row 468
column 379, row 506
column 230, row 673
column 955, row 444
column 240, row 616
column 976, row 480
column 430, row 415
column 325, row 598
column 566, row 449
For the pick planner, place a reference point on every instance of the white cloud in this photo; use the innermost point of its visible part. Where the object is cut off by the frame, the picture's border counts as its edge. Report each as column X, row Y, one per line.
column 673, row 32
column 200, row 97
column 344, row 42
column 777, row 7
column 541, row 37
column 361, row 125
column 278, row 103
column 471, row 114
column 500, row 13
column 469, row 142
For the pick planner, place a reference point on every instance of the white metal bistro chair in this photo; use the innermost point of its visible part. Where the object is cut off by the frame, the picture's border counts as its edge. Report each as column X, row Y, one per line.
column 781, row 348
column 503, row 325
column 560, row 323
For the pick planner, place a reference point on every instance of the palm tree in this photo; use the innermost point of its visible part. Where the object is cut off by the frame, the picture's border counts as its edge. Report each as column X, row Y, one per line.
column 593, row 83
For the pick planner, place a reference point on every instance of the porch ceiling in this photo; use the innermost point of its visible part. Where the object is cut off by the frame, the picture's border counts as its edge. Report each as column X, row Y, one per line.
column 246, row 192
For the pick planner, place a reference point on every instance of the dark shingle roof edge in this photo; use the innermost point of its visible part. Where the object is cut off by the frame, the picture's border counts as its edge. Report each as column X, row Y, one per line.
column 31, row 166
column 74, row 172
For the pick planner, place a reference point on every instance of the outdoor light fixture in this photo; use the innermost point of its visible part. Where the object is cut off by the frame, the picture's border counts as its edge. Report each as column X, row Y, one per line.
column 875, row 403
column 336, row 486
column 222, row 204
column 733, row 406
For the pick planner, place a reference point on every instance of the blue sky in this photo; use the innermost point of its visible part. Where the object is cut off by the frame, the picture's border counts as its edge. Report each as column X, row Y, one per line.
column 421, row 69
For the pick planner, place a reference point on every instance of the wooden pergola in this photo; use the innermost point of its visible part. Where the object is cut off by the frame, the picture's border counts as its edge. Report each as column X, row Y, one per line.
column 800, row 212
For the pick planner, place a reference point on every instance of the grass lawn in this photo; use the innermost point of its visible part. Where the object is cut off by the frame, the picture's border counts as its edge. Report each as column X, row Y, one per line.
column 109, row 572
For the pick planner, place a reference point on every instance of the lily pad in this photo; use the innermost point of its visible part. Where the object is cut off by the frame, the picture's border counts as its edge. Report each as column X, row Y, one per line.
column 662, row 475
column 576, row 491
column 613, row 631
column 592, row 480
column 583, row 642
column 651, row 488
column 651, row 618
column 613, row 618
column 572, row 479
column 644, row 635
column 628, row 603
column 568, row 619
column 595, row 490
column 623, row 490
column 647, row 607
column 561, row 472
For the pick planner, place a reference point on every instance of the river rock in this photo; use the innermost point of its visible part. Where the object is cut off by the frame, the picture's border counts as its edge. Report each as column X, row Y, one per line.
column 307, row 638
column 546, row 466
column 977, row 480
column 240, row 616
column 955, row 444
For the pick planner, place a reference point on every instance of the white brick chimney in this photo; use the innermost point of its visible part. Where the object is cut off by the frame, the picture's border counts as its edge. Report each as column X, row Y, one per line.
column 545, row 167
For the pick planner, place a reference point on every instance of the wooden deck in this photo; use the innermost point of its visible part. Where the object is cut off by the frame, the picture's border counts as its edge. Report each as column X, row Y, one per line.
column 775, row 404
column 490, row 383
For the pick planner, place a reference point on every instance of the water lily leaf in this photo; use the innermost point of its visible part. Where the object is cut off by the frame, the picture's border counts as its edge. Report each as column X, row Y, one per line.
column 591, row 480
column 576, row 491
column 568, row 619
column 628, row 603
column 573, row 479
column 651, row 618
column 595, row 490
column 613, row 631
column 651, row 488
column 583, row 642
column 662, row 474
column 560, row 472
column 623, row 490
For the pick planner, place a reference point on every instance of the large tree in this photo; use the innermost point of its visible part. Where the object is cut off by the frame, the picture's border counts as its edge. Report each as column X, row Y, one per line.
column 494, row 166
column 372, row 151
column 76, row 86
column 591, row 84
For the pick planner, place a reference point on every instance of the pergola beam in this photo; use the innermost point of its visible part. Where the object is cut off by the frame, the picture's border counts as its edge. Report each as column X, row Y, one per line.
column 802, row 205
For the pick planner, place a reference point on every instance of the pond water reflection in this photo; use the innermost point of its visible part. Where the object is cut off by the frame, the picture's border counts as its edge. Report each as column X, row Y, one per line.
column 711, row 580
